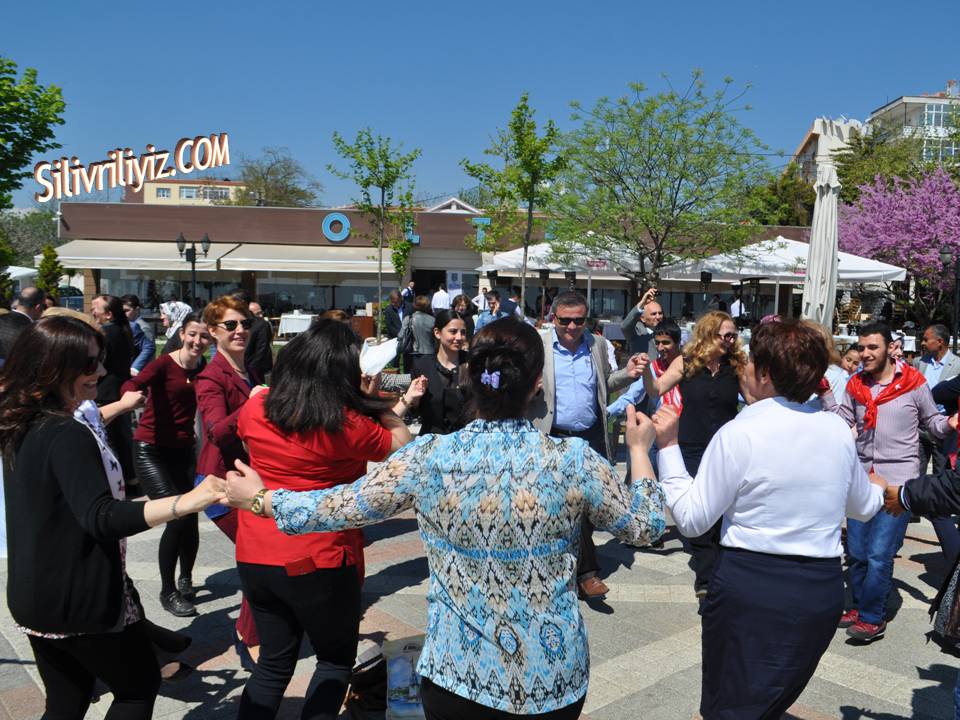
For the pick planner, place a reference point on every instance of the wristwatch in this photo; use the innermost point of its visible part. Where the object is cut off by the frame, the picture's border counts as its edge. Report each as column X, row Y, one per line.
column 257, row 506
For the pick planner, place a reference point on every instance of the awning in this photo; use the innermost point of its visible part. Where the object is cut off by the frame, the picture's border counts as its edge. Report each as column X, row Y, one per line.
column 129, row 255
column 307, row 258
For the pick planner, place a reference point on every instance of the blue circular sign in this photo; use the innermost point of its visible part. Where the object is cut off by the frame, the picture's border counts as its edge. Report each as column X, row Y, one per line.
column 340, row 235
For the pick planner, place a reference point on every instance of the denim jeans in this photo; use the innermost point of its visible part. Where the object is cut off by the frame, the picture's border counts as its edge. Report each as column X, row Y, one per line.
column 872, row 546
column 956, row 700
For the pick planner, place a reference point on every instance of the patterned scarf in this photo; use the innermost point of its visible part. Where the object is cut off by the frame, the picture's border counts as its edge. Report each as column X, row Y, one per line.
column 906, row 379
column 672, row 397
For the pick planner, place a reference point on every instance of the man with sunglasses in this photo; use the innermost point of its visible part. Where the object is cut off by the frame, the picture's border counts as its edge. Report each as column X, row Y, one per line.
column 885, row 402
column 573, row 402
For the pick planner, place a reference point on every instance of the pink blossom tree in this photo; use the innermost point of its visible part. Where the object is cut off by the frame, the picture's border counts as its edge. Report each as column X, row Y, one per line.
column 908, row 223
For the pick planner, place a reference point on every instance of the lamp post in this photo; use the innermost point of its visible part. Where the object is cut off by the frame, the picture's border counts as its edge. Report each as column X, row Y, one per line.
column 190, row 255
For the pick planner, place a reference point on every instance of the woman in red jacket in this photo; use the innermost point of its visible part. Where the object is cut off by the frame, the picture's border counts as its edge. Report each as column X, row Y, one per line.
column 164, row 453
column 222, row 389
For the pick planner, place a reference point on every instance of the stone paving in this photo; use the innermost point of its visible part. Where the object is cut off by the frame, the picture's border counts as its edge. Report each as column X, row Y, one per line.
column 644, row 639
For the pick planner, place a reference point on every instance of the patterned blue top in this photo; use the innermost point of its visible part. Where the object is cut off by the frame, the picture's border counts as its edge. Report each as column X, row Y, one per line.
column 499, row 506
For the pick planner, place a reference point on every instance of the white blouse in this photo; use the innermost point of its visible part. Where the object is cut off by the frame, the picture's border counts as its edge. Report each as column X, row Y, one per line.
column 782, row 477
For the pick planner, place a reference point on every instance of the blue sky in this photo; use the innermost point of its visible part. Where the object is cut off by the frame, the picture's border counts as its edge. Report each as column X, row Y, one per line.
column 443, row 76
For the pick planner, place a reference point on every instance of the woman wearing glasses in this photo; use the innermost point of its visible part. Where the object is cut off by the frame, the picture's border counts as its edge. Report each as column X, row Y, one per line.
column 222, row 389
column 709, row 374
column 67, row 587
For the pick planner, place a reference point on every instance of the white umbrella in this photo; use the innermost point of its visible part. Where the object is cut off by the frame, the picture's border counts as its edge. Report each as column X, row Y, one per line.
column 820, row 285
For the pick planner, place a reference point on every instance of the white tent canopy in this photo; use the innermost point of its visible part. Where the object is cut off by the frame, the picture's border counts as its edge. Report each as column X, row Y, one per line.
column 17, row 272
column 782, row 261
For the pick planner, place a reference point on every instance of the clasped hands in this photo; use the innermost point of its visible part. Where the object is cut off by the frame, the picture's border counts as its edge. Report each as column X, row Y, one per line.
column 236, row 490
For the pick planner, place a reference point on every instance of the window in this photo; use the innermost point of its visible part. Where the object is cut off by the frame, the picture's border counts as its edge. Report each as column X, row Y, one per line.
column 188, row 193
column 163, row 193
column 938, row 115
column 215, row 193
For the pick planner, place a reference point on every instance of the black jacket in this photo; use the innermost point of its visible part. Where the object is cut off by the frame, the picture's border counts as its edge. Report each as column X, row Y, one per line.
column 11, row 325
column 64, row 570
column 120, row 352
column 442, row 408
column 393, row 320
column 935, row 495
column 259, row 352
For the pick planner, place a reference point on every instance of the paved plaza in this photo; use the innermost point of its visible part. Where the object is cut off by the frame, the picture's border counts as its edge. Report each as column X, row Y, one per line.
column 644, row 640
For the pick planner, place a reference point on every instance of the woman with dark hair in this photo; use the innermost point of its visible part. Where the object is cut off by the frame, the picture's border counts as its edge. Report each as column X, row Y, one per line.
column 417, row 332
column 780, row 478
column 314, row 428
column 67, row 520
column 164, row 452
column 464, row 305
column 107, row 310
column 499, row 506
column 222, row 390
column 442, row 405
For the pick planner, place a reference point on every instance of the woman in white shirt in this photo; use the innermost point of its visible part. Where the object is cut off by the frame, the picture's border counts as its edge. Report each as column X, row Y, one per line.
column 782, row 477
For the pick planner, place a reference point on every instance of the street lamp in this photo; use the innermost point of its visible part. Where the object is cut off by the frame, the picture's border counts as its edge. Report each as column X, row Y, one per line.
column 945, row 257
column 190, row 255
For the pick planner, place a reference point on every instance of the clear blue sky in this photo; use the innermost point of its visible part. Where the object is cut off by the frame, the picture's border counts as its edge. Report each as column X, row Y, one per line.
column 444, row 76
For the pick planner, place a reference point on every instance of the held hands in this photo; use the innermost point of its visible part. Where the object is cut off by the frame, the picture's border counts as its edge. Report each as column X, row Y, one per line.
column 370, row 385
column 416, row 390
column 637, row 364
column 891, row 500
column 241, row 485
column 133, row 399
column 640, row 432
column 209, row 492
column 666, row 421
column 953, row 421
column 257, row 389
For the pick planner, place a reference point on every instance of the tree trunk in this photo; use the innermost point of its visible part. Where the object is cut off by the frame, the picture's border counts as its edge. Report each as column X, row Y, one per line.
column 380, row 264
column 526, row 247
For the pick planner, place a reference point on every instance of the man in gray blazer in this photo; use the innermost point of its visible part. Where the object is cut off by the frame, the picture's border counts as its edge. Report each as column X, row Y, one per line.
column 573, row 403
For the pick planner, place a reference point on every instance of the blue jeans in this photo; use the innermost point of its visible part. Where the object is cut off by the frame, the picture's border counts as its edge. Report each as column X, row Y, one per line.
column 956, row 700
column 872, row 546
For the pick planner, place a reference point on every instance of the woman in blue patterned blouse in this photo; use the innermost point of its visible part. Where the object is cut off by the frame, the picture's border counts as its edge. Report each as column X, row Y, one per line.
column 499, row 507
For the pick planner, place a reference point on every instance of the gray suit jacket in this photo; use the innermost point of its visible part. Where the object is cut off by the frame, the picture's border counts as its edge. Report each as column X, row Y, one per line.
column 543, row 405
column 951, row 365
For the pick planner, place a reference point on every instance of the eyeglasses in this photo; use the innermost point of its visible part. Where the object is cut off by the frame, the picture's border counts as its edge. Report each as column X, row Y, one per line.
column 563, row 322
column 231, row 325
column 93, row 363
column 728, row 337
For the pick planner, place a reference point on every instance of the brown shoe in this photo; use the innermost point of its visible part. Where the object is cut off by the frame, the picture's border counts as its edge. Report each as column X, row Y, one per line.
column 593, row 588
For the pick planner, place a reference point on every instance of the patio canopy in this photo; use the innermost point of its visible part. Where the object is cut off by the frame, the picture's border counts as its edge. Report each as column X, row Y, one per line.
column 780, row 260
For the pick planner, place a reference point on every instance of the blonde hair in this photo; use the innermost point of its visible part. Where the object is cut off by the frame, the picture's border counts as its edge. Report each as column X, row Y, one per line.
column 832, row 352
column 57, row 311
column 705, row 345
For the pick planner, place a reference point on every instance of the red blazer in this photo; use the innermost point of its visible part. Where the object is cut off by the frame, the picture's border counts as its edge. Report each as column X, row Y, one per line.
column 221, row 394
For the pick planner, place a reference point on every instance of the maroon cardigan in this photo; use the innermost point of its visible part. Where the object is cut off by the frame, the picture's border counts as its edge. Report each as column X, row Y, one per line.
column 221, row 394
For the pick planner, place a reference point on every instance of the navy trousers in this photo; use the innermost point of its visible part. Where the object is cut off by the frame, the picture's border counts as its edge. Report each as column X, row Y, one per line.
column 767, row 621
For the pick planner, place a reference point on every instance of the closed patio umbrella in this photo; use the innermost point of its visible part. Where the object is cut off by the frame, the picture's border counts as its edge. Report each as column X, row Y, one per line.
column 820, row 284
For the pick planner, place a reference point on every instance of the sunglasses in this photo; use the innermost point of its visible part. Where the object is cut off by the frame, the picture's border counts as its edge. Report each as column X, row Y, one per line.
column 563, row 322
column 729, row 337
column 93, row 363
column 231, row 325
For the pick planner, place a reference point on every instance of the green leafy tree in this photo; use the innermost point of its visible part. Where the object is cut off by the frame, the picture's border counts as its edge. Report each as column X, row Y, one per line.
column 784, row 199
column 383, row 175
column 654, row 177
column 7, row 258
column 28, row 114
column 883, row 152
column 49, row 271
column 531, row 164
column 28, row 232
column 275, row 179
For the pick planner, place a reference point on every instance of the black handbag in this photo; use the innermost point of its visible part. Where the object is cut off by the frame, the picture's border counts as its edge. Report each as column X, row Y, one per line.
column 367, row 697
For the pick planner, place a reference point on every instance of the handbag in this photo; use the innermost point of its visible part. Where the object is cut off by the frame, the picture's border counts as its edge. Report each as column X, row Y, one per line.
column 367, row 697
column 947, row 620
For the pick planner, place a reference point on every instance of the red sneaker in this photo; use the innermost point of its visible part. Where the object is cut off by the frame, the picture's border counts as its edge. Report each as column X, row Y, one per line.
column 850, row 617
column 866, row 632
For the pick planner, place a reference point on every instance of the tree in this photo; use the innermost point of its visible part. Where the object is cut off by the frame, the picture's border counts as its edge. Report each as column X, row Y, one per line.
column 7, row 258
column 275, row 180
column 379, row 170
column 49, row 271
column 28, row 114
column 784, row 199
column 28, row 232
column 531, row 163
column 908, row 222
column 883, row 151
column 654, row 177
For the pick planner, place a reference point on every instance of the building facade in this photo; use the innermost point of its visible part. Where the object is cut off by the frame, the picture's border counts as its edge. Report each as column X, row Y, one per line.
column 931, row 118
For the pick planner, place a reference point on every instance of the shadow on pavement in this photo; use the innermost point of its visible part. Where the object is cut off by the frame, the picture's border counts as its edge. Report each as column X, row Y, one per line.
column 926, row 703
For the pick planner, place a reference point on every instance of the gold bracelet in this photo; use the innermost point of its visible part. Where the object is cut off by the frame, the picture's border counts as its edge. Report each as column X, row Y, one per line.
column 173, row 508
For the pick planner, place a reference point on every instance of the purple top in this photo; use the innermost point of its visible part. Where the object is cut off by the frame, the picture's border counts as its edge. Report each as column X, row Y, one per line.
column 892, row 448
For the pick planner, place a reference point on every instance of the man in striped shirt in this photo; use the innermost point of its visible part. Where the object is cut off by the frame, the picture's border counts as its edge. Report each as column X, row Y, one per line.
column 886, row 403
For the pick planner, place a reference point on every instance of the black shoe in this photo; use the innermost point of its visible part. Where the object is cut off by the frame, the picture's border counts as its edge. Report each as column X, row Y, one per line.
column 185, row 586
column 175, row 604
